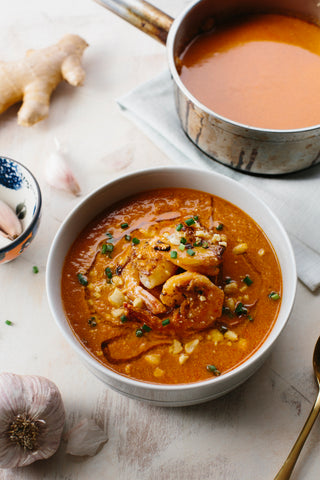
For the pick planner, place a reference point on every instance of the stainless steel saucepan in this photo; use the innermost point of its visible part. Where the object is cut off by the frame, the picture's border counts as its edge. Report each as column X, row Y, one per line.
column 245, row 148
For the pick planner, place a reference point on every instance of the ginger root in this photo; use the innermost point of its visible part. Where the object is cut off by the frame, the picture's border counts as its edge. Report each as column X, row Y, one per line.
column 33, row 79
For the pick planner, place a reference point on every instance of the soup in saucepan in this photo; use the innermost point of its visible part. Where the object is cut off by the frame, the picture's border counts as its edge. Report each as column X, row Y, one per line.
column 259, row 70
column 172, row 286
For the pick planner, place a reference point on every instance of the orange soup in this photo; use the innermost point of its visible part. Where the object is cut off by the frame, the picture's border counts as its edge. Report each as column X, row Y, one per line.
column 172, row 286
column 259, row 70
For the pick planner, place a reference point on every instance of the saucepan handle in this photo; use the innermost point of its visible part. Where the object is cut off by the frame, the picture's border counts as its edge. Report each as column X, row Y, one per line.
column 142, row 15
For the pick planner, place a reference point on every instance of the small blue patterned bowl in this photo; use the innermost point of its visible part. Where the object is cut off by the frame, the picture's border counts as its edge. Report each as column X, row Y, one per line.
column 19, row 190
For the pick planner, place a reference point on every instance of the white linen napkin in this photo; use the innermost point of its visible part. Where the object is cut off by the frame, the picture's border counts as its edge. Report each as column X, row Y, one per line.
column 294, row 198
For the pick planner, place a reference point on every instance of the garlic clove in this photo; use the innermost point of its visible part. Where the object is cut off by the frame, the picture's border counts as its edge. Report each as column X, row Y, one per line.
column 85, row 438
column 10, row 226
column 32, row 418
column 58, row 174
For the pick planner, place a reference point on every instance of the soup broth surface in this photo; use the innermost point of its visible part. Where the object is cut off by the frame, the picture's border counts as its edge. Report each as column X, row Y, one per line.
column 172, row 286
column 259, row 70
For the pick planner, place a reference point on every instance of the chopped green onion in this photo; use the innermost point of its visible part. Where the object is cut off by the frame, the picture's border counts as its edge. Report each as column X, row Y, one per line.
column 191, row 252
column 108, row 234
column 179, row 227
column 108, row 272
column 127, row 237
column 181, row 247
column 183, row 240
column 247, row 280
column 8, row 322
column 110, row 247
column 213, row 369
column 227, row 311
column 104, row 248
column 196, row 217
column 165, row 322
column 173, row 254
column 124, row 225
column 219, row 226
column 135, row 241
column 139, row 332
column 146, row 328
column 92, row 322
column 274, row 296
column 197, row 243
column 250, row 318
column 35, row 269
column 227, row 280
column 189, row 222
column 205, row 244
column 82, row 279
column 124, row 318
column 240, row 309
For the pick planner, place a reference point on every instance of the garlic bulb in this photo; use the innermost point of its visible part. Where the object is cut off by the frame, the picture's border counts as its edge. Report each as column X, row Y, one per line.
column 58, row 173
column 10, row 226
column 32, row 418
column 85, row 438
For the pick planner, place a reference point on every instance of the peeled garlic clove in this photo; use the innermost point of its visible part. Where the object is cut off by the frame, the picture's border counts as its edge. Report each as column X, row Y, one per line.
column 58, row 174
column 10, row 225
column 32, row 418
column 85, row 438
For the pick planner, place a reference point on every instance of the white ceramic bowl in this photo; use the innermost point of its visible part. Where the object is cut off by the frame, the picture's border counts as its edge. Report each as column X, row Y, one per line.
column 99, row 200
column 19, row 189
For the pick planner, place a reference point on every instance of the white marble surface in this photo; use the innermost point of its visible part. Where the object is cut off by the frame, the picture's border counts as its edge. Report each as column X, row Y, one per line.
column 245, row 435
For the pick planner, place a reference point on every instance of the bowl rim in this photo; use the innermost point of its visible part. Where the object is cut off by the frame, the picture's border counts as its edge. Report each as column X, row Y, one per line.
column 144, row 385
column 36, row 214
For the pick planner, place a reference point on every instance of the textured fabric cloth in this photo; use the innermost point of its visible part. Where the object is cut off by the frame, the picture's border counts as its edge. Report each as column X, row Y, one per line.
column 294, row 198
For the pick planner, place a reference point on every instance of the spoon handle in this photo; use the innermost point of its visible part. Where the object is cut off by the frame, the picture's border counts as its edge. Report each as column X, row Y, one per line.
column 286, row 470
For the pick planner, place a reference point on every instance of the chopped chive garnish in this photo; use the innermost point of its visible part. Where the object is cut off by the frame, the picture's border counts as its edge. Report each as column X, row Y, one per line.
column 240, row 309
column 274, row 296
column 205, row 244
column 8, row 322
column 247, row 280
column 127, row 237
column 146, row 328
column 124, row 225
column 92, row 322
column 197, row 243
column 104, row 248
column 165, row 322
column 213, row 369
column 183, row 240
column 82, row 279
column 181, row 247
column 139, row 332
column 179, row 227
column 35, row 269
column 189, row 222
column 196, row 217
column 227, row 280
column 110, row 247
column 219, row 226
column 250, row 318
column 191, row 252
column 108, row 272
column 124, row 318
column 108, row 234
column 173, row 254
column 227, row 311
column 135, row 241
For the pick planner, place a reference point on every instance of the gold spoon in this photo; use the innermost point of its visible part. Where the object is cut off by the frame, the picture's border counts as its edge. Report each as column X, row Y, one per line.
column 286, row 470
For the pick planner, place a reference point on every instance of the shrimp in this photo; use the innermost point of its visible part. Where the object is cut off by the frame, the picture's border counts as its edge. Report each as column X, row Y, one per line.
column 133, row 289
column 197, row 302
column 148, row 258
column 207, row 247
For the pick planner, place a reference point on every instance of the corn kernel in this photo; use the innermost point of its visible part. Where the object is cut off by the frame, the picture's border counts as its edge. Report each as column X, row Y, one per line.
column 158, row 372
column 190, row 346
column 153, row 358
column 138, row 302
column 183, row 358
column 176, row 347
column 230, row 335
column 240, row 248
column 231, row 287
